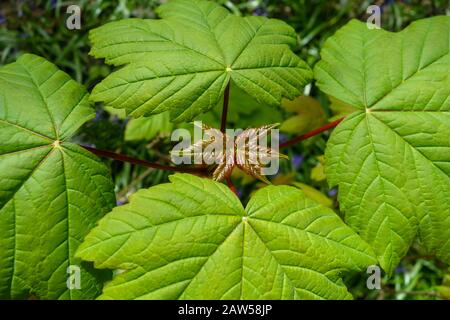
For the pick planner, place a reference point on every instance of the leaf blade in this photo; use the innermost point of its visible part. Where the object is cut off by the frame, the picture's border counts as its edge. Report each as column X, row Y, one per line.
column 53, row 191
column 383, row 156
column 190, row 56
column 192, row 245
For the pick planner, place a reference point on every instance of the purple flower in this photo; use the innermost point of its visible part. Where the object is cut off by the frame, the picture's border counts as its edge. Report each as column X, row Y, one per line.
column 120, row 203
column 283, row 138
column 399, row 270
column 240, row 193
column 260, row 12
column 297, row 161
column 2, row 19
column 332, row 193
column 98, row 115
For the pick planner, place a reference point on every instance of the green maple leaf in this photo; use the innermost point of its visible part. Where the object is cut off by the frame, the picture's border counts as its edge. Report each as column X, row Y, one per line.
column 192, row 239
column 391, row 158
column 309, row 115
column 184, row 61
column 52, row 192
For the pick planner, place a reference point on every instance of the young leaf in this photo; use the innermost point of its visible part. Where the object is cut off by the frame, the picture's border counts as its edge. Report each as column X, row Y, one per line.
column 391, row 158
column 227, row 152
column 318, row 172
column 52, row 191
column 340, row 109
column 184, row 61
column 192, row 239
column 309, row 115
column 146, row 128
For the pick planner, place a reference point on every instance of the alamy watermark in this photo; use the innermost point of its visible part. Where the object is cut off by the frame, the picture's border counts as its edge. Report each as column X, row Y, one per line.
column 74, row 278
column 374, row 280
column 73, row 22
column 374, row 20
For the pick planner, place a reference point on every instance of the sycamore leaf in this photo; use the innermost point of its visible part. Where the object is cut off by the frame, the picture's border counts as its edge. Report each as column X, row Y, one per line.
column 391, row 158
column 318, row 172
column 340, row 109
column 183, row 62
column 52, row 192
column 192, row 239
column 309, row 115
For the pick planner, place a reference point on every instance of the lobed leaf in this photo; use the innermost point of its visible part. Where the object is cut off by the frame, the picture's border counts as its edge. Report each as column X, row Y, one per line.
column 192, row 239
column 391, row 158
column 183, row 62
column 52, row 191
column 309, row 115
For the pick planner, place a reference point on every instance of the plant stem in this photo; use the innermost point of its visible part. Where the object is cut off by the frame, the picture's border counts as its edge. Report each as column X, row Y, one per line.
column 226, row 100
column 311, row 134
column 144, row 163
column 124, row 158
column 232, row 186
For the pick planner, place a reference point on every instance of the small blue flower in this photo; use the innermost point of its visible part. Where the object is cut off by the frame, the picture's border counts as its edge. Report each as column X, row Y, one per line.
column 98, row 115
column 399, row 270
column 240, row 193
column 260, row 12
column 332, row 193
column 297, row 161
column 283, row 138
column 120, row 203
column 2, row 19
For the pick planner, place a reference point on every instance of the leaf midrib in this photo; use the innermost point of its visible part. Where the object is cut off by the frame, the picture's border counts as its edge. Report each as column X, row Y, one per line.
column 312, row 234
column 69, row 251
column 38, row 89
column 40, row 135
column 248, row 224
column 161, row 77
column 40, row 163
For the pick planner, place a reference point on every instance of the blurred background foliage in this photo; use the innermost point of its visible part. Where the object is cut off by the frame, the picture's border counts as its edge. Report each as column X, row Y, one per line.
column 39, row 26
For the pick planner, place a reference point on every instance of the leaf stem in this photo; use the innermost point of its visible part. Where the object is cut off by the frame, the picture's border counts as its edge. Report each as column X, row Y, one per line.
column 311, row 134
column 232, row 186
column 226, row 100
column 144, row 163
